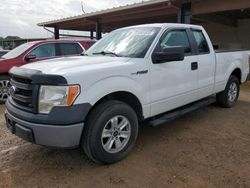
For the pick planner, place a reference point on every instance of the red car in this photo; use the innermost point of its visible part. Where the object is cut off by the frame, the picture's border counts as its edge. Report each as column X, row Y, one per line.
column 37, row 51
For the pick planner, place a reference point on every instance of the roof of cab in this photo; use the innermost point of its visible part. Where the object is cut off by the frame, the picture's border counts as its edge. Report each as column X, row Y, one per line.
column 59, row 41
column 165, row 25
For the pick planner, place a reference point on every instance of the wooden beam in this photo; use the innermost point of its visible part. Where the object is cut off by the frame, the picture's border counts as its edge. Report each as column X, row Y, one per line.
column 216, row 19
column 161, row 19
column 135, row 16
column 184, row 14
column 91, row 34
column 76, row 24
column 164, row 7
column 98, row 30
column 165, row 4
column 56, row 33
column 211, row 6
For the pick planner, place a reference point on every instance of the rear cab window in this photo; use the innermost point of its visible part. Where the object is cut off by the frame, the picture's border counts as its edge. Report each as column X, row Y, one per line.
column 65, row 49
column 201, row 42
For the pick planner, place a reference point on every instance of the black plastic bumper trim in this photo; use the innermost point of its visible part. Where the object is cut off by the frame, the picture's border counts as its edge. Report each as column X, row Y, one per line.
column 19, row 130
column 24, row 133
column 58, row 115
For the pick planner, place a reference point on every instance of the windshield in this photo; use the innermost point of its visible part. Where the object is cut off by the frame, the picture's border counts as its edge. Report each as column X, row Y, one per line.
column 130, row 42
column 17, row 51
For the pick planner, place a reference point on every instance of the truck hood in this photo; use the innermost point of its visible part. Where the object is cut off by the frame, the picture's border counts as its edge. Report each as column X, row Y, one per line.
column 75, row 64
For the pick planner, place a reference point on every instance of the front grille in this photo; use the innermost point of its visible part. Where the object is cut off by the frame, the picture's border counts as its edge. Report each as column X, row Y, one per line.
column 23, row 93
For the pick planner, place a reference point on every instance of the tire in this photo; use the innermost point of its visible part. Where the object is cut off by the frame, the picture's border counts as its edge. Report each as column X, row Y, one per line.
column 4, row 88
column 113, row 144
column 230, row 95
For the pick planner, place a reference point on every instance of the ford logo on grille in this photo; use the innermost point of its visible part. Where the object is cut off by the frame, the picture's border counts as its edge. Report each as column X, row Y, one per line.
column 13, row 90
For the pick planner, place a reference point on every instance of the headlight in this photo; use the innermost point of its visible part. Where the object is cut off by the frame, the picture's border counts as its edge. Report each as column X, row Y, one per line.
column 51, row 96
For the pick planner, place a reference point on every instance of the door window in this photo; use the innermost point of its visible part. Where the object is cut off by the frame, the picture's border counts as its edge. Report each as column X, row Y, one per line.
column 45, row 50
column 201, row 42
column 175, row 38
column 69, row 49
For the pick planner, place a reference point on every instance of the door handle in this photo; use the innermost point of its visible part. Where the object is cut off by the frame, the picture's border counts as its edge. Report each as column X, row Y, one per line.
column 194, row 66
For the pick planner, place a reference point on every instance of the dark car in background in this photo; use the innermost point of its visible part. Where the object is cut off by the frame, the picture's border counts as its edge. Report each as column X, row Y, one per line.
column 37, row 51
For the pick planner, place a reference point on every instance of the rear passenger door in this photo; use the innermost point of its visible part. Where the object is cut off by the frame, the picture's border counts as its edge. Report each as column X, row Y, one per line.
column 206, row 64
column 69, row 49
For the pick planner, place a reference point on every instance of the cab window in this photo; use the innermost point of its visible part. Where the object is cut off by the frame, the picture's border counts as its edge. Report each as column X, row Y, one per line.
column 65, row 49
column 44, row 50
column 201, row 42
column 175, row 38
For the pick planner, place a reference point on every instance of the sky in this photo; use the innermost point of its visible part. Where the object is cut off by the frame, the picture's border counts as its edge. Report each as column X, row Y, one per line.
column 20, row 17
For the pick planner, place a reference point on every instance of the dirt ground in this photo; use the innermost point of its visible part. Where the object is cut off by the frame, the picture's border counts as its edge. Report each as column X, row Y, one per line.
column 206, row 148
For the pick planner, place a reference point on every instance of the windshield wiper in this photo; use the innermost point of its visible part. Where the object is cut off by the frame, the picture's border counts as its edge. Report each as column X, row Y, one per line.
column 106, row 53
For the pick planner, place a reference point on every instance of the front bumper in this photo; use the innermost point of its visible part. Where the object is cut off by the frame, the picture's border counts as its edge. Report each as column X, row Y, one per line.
column 47, row 135
column 62, row 128
column 67, row 136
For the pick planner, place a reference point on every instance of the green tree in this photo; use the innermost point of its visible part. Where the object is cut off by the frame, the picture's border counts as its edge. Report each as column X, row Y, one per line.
column 12, row 38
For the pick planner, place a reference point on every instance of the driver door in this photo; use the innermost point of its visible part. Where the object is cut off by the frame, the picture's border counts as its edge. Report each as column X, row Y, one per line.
column 173, row 84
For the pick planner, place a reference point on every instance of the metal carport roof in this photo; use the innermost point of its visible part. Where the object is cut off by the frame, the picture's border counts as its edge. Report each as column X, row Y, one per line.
column 226, row 12
column 138, row 13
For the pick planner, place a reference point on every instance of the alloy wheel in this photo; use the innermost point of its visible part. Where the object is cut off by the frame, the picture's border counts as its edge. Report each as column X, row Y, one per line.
column 4, row 90
column 116, row 134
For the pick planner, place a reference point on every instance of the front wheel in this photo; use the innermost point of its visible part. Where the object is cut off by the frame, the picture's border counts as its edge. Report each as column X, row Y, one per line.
column 110, row 132
column 4, row 88
column 230, row 95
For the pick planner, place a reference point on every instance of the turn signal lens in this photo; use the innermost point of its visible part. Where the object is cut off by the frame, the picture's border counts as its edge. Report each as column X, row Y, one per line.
column 73, row 93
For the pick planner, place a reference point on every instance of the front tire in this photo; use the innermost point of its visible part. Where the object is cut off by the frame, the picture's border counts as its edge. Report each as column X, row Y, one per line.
column 4, row 88
column 110, row 132
column 230, row 95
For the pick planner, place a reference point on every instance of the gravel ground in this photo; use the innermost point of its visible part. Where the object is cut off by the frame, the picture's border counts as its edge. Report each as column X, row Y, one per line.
column 206, row 148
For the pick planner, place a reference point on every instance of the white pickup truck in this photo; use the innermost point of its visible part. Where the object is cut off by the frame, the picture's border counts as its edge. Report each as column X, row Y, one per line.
column 152, row 72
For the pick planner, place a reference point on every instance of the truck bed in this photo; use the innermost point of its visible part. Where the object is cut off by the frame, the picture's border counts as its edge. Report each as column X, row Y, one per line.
column 230, row 50
column 225, row 60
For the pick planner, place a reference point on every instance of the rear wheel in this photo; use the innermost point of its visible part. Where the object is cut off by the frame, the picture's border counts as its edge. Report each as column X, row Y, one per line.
column 110, row 132
column 230, row 95
column 4, row 88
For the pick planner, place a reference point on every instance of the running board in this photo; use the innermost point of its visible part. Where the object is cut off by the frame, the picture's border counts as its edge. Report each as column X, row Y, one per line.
column 170, row 116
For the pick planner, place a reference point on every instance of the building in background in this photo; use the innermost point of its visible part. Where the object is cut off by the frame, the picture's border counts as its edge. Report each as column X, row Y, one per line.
column 227, row 21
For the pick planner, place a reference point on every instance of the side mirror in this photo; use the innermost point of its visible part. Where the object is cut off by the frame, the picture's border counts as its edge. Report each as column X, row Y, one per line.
column 169, row 54
column 30, row 57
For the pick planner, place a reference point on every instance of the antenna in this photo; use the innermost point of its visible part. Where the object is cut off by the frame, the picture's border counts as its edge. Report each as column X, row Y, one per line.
column 82, row 7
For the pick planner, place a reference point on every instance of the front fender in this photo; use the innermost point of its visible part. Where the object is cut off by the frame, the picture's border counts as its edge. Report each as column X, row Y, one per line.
column 109, row 85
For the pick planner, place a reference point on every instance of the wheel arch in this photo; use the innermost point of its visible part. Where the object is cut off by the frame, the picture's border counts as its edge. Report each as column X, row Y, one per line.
column 119, row 88
column 126, row 97
column 236, row 69
column 237, row 73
